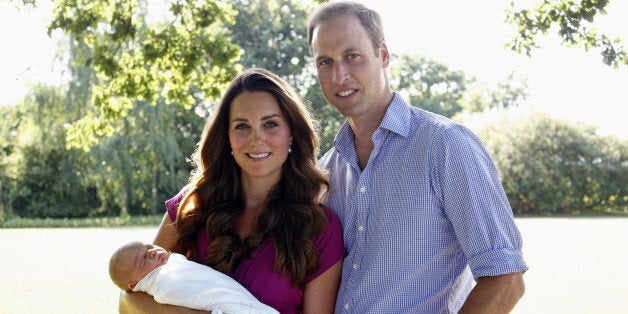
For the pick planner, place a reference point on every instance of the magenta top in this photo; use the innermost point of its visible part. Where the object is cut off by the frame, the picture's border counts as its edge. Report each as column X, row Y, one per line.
column 256, row 272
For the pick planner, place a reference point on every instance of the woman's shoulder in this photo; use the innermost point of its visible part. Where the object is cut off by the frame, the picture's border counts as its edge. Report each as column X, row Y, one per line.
column 172, row 204
column 330, row 215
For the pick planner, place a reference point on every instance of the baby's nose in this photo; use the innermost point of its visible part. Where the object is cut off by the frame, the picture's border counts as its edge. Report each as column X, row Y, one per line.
column 150, row 253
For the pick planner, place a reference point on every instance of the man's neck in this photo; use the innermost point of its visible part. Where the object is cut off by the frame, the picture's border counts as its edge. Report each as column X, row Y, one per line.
column 363, row 128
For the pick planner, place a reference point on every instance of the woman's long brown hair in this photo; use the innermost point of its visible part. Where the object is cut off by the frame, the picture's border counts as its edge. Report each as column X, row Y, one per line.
column 215, row 199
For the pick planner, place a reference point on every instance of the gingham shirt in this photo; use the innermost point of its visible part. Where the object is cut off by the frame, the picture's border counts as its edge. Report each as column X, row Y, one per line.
column 426, row 215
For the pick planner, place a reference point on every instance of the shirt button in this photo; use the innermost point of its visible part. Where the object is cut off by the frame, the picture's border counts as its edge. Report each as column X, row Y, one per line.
column 361, row 228
column 362, row 189
column 346, row 306
column 356, row 266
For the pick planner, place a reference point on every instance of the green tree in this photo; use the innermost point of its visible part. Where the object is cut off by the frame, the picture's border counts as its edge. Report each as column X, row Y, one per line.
column 10, row 120
column 552, row 166
column 272, row 35
column 573, row 19
column 144, row 163
column 508, row 93
column 428, row 84
column 187, row 59
column 45, row 179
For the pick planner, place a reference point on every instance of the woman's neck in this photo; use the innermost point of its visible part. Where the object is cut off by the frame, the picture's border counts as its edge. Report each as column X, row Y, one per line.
column 256, row 193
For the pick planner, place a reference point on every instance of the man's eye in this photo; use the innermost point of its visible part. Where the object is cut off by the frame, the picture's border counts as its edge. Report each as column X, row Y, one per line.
column 324, row 62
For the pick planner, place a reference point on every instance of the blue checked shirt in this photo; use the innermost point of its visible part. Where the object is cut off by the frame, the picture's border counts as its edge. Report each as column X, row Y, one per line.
column 425, row 217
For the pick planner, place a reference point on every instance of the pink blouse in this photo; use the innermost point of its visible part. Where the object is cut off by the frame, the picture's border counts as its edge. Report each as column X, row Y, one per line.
column 256, row 272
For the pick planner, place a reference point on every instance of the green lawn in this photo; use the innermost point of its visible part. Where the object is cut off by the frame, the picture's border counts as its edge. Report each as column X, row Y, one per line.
column 577, row 265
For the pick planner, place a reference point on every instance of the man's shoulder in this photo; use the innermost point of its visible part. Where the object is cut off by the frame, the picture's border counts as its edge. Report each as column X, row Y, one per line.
column 324, row 161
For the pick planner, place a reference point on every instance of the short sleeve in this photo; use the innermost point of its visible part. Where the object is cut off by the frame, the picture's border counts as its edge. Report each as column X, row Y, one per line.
column 329, row 244
column 172, row 205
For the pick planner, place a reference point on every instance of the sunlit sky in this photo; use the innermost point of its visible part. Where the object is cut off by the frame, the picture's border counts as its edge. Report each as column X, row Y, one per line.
column 464, row 35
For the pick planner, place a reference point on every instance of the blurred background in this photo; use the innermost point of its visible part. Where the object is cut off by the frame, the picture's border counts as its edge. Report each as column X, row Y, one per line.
column 102, row 103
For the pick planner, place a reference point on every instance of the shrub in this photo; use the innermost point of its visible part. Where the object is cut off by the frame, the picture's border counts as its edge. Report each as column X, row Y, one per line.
column 551, row 166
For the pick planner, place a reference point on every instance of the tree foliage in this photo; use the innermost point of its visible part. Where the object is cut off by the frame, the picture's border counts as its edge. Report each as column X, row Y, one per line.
column 138, row 145
column 187, row 59
column 431, row 85
column 508, row 93
column 428, row 84
column 40, row 177
column 573, row 19
column 551, row 166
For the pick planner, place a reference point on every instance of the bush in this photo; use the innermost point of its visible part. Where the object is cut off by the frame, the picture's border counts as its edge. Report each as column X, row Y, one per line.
column 551, row 166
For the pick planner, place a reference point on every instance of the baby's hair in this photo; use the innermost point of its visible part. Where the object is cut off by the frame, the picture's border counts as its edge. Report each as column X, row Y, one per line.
column 119, row 273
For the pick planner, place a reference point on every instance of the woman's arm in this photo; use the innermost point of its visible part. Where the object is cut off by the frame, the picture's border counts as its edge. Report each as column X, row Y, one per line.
column 167, row 234
column 141, row 302
column 319, row 295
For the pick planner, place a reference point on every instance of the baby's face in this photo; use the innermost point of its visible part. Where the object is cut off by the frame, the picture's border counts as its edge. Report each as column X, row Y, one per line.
column 143, row 258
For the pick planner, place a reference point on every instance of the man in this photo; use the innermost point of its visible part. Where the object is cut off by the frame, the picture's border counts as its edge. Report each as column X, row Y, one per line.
column 420, row 200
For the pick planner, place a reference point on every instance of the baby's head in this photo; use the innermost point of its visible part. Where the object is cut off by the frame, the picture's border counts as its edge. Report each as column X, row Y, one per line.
column 133, row 261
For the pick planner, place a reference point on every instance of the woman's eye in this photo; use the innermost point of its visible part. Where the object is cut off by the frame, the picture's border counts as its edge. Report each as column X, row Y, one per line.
column 241, row 126
column 271, row 124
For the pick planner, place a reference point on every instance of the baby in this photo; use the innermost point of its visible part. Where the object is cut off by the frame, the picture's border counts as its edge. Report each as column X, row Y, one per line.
column 172, row 279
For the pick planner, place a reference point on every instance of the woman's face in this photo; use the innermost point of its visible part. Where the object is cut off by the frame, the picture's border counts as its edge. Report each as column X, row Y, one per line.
column 259, row 135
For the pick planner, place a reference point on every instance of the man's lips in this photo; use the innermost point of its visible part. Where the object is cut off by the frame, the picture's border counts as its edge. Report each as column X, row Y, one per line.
column 346, row 93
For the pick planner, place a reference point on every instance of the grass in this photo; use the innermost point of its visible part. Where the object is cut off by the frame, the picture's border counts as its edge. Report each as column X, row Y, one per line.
column 105, row 222
column 109, row 222
column 576, row 266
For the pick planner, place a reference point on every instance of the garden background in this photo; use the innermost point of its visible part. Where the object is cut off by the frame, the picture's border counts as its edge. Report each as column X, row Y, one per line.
column 96, row 136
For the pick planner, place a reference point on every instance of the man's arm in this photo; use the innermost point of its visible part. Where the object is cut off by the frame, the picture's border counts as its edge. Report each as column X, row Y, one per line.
column 495, row 294
column 140, row 302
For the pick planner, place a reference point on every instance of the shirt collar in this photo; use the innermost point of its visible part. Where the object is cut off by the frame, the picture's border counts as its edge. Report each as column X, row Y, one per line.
column 396, row 119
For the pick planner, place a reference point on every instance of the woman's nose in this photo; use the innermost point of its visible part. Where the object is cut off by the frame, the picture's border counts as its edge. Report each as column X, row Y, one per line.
column 257, row 138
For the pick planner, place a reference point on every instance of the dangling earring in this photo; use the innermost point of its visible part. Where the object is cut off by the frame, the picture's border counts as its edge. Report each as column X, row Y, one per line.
column 289, row 148
column 231, row 153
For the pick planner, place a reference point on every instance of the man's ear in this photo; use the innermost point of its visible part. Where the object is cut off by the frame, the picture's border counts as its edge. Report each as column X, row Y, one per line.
column 384, row 54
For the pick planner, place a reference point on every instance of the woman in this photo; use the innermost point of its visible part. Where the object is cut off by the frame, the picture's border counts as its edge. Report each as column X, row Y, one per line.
column 250, row 210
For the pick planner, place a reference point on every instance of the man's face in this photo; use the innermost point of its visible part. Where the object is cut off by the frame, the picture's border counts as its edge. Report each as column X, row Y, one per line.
column 350, row 71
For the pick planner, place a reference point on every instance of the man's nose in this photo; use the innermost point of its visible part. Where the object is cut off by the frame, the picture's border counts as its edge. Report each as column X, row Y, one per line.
column 340, row 73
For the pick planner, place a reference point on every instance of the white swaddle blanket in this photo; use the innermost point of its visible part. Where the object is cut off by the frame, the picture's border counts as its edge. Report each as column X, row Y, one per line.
column 185, row 283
